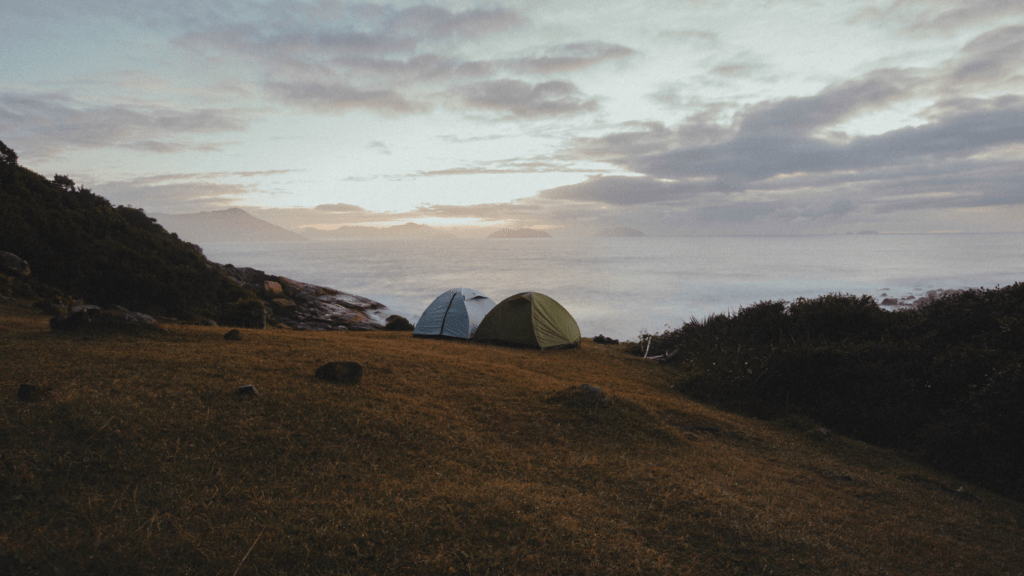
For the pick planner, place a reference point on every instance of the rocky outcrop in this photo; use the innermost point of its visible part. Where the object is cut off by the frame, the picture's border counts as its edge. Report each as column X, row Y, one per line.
column 89, row 317
column 13, row 265
column 307, row 306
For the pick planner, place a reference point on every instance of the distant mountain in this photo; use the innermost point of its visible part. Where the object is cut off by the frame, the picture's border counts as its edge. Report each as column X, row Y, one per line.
column 520, row 233
column 231, row 225
column 620, row 232
column 407, row 231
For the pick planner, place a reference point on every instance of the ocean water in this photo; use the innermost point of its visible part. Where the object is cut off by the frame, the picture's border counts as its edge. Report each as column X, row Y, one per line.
column 622, row 287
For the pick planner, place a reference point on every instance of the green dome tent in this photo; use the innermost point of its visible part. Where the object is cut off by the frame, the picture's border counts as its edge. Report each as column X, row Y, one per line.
column 530, row 319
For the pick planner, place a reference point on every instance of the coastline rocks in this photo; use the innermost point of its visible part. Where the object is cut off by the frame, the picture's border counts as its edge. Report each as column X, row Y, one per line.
column 341, row 372
column 13, row 265
column 308, row 306
column 91, row 317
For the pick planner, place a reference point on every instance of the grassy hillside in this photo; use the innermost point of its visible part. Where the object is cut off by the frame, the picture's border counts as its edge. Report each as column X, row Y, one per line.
column 78, row 243
column 448, row 457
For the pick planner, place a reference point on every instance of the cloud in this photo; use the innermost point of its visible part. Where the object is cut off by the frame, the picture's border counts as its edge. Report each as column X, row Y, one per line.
column 621, row 190
column 325, row 97
column 700, row 38
column 783, row 160
column 334, row 57
column 183, row 192
column 570, row 57
column 765, row 148
column 380, row 147
column 951, row 15
column 737, row 69
column 515, row 98
column 992, row 57
column 49, row 123
column 398, row 61
column 173, row 197
column 432, row 23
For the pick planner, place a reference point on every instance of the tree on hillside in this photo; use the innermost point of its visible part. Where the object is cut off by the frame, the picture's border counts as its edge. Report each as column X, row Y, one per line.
column 7, row 156
column 66, row 183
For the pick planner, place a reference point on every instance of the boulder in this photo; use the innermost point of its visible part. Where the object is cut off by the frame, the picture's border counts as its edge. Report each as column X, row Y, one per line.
column 90, row 309
column 234, row 334
column 31, row 392
column 272, row 289
column 52, row 308
column 76, row 321
column 602, row 339
column 13, row 265
column 248, row 390
column 341, row 372
column 138, row 318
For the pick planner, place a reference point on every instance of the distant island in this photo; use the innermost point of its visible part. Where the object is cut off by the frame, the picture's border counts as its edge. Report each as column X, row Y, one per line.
column 519, row 233
column 407, row 231
column 620, row 232
column 230, row 225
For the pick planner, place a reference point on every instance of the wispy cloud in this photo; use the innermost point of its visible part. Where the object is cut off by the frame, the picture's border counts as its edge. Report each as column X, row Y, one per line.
column 46, row 124
column 570, row 57
column 516, row 98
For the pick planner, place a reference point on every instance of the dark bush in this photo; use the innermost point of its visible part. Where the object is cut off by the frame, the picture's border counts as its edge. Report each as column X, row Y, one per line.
column 943, row 381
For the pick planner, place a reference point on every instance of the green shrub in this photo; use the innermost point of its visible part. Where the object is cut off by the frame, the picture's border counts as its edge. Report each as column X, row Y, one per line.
column 246, row 312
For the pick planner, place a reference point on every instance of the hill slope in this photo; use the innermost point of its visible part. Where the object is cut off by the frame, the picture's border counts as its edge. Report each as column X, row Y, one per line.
column 448, row 457
column 76, row 241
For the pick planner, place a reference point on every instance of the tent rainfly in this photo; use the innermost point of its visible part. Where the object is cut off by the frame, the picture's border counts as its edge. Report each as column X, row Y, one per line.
column 530, row 319
column 455, row 314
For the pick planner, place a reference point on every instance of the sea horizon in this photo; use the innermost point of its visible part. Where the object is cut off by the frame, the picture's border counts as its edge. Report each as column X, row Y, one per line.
column 624, row 287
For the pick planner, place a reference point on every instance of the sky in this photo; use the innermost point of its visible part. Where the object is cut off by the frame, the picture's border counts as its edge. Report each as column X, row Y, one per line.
column 674, row 117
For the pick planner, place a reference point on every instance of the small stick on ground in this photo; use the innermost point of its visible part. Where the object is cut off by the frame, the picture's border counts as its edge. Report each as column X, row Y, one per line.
column 249, row 552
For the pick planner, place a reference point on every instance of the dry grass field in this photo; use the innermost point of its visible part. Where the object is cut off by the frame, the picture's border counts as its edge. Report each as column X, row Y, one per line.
column 448, row 458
